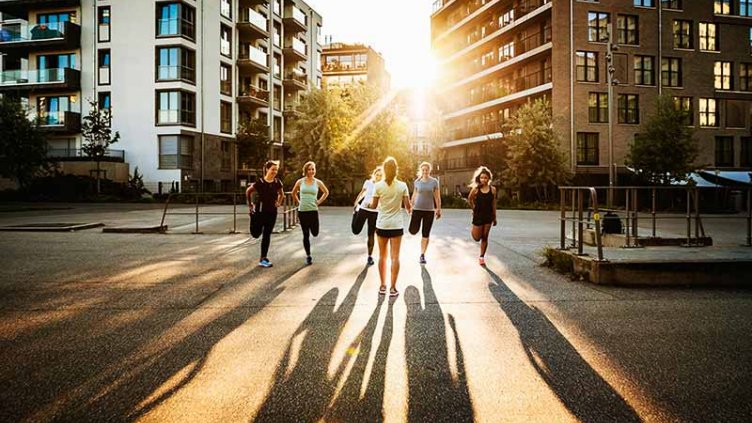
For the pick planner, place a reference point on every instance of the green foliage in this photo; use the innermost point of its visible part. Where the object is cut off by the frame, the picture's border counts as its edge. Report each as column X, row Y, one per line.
column 534, row 156
column 136, row 184
column 254, row 144
column 97, row 135
column 665, row 151
column 23, row 147
column 74, row 188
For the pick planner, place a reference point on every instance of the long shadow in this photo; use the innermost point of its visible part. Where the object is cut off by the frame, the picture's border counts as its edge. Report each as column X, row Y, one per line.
column 579, row 387
column 434, row 393
column 304, row 393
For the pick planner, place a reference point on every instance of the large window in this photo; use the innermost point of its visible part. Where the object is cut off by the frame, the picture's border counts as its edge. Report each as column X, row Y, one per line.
column 685, row 104
column 51, row 110
column 225, row 41
column 225, row 117
column 708, row 112
column 745, row 7
column 176, row 19
column 722, row 75
column 587, row 148
column 708, row 36
column 598, row 26
column 644, row 3
column 745, row 157
column 672, row 4
column 671, row 72
column 724, row 151
column 722, row 7
column 644, row 70
column 176, row 63
column 55, row 20
column 682, row 34
column 225, row 9
column 587, row 66
column 225, row 79
column 104, row 66
column 627, row 30
column 176, row 108
column 103, row 21
column 598, row 108
column 629, row 108
column 175, row 152
column 745, row 77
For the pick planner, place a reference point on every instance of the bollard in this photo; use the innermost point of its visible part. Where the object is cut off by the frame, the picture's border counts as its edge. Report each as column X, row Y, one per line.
column 196, row 231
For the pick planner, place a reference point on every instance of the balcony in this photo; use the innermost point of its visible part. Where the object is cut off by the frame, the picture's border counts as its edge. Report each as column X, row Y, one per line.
column 45, row 80
column 296, row 80
column 253, row 59
column 253, row 96
column 294, row 19
column 20, row 8
column 485, row 131
column 295, row 50
column 291, row 110
column 253, row 24
column 60, row 122
column 459, row 163
column 334, row 67
column 22, row 37
column 78, row 155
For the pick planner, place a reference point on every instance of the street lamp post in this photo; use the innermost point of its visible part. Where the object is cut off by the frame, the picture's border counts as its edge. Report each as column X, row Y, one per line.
column 610, row 81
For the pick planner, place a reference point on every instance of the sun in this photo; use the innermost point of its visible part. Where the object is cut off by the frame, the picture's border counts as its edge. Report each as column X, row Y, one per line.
column 415, row 70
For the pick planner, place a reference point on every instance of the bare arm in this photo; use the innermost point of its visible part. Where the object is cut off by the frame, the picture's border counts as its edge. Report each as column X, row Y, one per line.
column 414, row 196
column 360, row 196
column 471, row 197
column 374, row 203
column 437, row 199
column 408, row 204
column 249, row 198
column 326, row 193
column 295, row 192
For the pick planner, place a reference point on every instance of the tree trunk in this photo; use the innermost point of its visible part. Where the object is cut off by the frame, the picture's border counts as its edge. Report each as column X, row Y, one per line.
column 99, row 187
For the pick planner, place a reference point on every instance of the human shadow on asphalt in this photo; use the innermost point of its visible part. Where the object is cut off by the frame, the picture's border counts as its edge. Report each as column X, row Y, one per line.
column 579, row 387
column 304, row 393
column 434, row 393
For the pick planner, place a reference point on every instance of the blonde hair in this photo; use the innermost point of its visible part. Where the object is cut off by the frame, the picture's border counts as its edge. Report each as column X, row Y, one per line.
column 430, row 168
column 476, row 176
column 306, row 166
column 376, row 169
column 390, row 169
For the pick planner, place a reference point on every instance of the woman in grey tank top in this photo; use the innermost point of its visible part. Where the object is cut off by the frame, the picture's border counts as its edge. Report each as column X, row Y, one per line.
column 426, row 204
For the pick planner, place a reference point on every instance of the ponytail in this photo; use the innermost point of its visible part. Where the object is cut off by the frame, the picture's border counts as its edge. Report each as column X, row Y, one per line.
column 390, row 169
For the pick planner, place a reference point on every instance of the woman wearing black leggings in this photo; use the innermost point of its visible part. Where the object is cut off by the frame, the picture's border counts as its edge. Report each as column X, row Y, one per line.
column 264, row 213
column 306, row 193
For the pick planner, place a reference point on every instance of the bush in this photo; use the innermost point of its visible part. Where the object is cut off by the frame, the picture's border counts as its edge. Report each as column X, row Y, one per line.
column 73, row 188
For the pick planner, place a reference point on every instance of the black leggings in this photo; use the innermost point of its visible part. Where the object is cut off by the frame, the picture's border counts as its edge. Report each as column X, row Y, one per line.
column 415, row 222
column 359, row 220
column 309, row 222
column 262, row 225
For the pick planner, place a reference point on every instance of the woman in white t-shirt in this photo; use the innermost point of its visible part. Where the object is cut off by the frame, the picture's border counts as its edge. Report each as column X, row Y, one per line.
column 388, row 198
column 363, row 213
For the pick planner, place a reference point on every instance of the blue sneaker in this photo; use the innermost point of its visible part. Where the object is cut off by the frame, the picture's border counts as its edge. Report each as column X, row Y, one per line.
column 370, row 261
column 309, row 260
column 265, row 263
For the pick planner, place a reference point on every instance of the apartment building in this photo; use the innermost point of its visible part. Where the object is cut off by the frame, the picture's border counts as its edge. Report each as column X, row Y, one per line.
column 344, row 65
column 178, row 76
column 498, row 54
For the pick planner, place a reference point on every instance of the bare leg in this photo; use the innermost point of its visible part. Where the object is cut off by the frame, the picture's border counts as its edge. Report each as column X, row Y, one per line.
column 423, row 245
column 383, row 251
column 484, row 239
column 476, row 232
column 395, row 244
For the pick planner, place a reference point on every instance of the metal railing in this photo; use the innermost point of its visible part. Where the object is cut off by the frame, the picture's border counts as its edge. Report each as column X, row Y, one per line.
column 289, row 214
column 578, row 220
column 77, row 154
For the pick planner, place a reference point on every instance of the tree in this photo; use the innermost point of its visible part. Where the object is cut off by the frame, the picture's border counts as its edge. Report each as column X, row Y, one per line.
column 534, row 155
column 97, row 134
column 254, row 143
column 23, row 147
column 665, row 150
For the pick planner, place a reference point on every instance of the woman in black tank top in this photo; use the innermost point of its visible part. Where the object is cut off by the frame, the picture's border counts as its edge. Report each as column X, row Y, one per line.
column 482, row 200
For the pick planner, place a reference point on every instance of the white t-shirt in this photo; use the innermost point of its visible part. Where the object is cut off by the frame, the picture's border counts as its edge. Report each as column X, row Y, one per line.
column 370, row 188
column 390, row 204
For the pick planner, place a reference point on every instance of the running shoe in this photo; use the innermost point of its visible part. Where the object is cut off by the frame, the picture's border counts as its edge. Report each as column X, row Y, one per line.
column 481, row 261
column 370, row 261
column 265, row 263
column 309, row 260
column 393, row 293
column 422, row 259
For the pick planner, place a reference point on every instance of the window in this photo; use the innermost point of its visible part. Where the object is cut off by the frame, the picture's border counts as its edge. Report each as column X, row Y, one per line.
column 225, row 9
column 708, row 112
column 745, row 7
column 598, row 108
column 587, row 148
column 176, row 63
column 587, row 66
column 225, row 41
column 682, row 34
column 722, row 7
column 51, row 110
column 722, row 75
column 226, row 163
column 708, row 36
column 644, row 70
column 598, row 27
column 225, row 117
column 671, row 72
column 685, row 104
column 50, row 66
column 104, row 67
column 103, row 20
column 175, row 152
column 735, row 112
column 55, row 20
column 644, row 3
column 629, row 108
column 745, row 77
column 627, row 31
column 724, row 151
column 104, row 100
column 175, row 19
column 745, row 158
column 176, row 107
column 225, row 79
column 672, row 4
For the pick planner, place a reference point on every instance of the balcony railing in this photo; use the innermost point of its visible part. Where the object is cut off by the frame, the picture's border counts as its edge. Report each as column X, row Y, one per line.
column 20, row 32
column 76, row 154
column 253, row 92
column 503, row 88
column 29, row 78
column 470, row 162
column 437, row 5
column 297, row 76
column 255, row 18
column 299, row 46
column 255, row 55
column 339, row 67
column 298, row 16
column 519, row 47
column 474, row 130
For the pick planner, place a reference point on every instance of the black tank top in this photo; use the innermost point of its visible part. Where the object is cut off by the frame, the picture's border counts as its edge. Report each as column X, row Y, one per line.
column 484, row 203
column 267, row 194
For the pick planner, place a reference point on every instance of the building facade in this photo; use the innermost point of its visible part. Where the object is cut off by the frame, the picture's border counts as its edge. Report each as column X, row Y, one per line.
column 344, row 65
column 498, row 54
column 177, row 76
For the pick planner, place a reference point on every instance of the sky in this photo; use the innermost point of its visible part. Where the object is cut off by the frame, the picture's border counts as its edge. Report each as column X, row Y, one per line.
column 398, row 29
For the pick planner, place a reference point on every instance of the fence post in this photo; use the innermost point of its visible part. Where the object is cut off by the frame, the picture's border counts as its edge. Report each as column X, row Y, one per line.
column 627, row 224
column 636, row 209
column 563, row 217
column 579, row 222
column 196, row 231
column 689, row 217
column 597, row 218
column 653, row 212
column 749, row 217
column 574, row 218
column 234, row 213
column 697, row 216
column 284, row 213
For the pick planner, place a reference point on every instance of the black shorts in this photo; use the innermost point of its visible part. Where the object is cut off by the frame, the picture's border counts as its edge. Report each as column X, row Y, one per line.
column 424, row 216
column 389, row 233
column 482, row 219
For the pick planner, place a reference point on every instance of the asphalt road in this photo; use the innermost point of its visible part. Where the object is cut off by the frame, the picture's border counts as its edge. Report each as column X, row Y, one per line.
column 183, row 327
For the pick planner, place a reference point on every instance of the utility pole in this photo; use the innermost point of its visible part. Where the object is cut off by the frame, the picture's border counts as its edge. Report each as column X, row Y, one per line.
column 610, row 81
